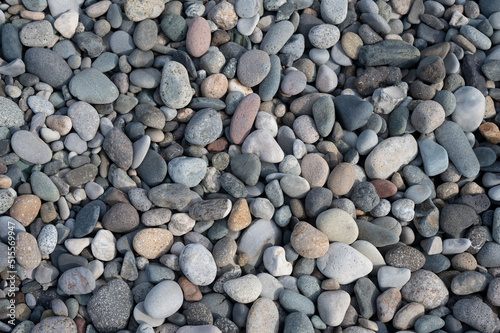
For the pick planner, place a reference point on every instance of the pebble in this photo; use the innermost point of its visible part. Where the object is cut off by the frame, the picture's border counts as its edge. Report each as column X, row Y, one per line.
column 276, row 37
column 263, row 316
column 197, row 264
column 244, row 290
column 262, row 144
column 168, row 294
column 27, row 253
column 476, row 314
column 253, row 67
column 118, row 148
column 469, row 110
column 110, row 306
column 175, row 90
column 425, row 288
column 198, row 37
column 451, row 137
column 332, row 306
column 77, row 281
column 107, row 91
column 57, row 323
column 344, row 263
column 30, row 148
column 338, row 225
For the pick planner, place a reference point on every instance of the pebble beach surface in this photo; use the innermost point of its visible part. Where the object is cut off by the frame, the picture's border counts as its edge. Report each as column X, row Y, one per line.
column 259, row 166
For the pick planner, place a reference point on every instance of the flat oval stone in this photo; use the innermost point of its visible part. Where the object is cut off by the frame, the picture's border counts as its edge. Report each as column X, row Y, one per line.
column 49, row 66
column 389, row 52
column 119, row 148
column 426, row 288
column 152, row 243
column 308, row 241
column 153, row 168
column 452, row 138
column 344, row 263
column 390, row 155
column 85, row 120
column 198, row 264
column 469, row 110
column 187, row 170
column 204, row 127
column 243, row 118
column 277, row 36
column 253, row 67
column 77, row 281
column 175, row 89
column 245, row 289
column 121, row 218
column 27, row 253
column 110, row 306
column 263, row 317
column 92, row 86
column 30, row 147
column 198, row 37
column 476, row 314
column 163, row 300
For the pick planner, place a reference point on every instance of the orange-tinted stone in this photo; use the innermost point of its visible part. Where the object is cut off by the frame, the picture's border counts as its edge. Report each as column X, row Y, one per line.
column 26, row 208
column 240, row 216
column 218, row 145
column 191, row 291
column 198, row 37
column 490, row 132
column 308, row 241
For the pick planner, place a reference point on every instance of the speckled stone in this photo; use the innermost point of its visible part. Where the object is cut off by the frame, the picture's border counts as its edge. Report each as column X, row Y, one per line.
column 426, row 288
column 152, row 243
column 243, row 118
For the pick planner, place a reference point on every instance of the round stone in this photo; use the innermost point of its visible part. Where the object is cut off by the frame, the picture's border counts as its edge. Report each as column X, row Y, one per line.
column 338, row 225
column 77, row 281
column 426, row 288
column 204, row 127
column 152, row 243
column 245, row 289
column 198, row 264
column 163, row 300
column 253, row 67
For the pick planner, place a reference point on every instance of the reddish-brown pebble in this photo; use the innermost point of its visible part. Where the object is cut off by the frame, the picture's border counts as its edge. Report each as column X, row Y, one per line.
column 342, row 179
column 191, row 291
column 220, row 144
column 81, row 326
column 315, row 170
column 240, row 217
column 384, row 188
column 308, row 241
column 25, row 208
column 243, row 118
column 198, row 37
column 3, row 168
column 214, row 86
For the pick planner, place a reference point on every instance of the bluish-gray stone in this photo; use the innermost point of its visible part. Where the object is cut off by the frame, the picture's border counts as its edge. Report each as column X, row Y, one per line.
column 92, row 86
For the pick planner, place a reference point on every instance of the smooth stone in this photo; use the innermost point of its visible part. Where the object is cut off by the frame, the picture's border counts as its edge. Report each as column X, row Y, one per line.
column 263, row 317
column 245, row 289
column 77, row 281
column 103, row 91
column 292, row 301
column 37, row 34
column 470, row 282
column 119, row 148
column 376, row 235
column 298, row 322
column 276, row 37
column 163, row 300
column 262, row 144
column 10, row 114
column 389, row 52
column 392, row 277
column 204, row 127
column 332, row 306
column 198, row 37
column 153, row 168
column 30, row 148
column 334, row 12
column 256, row 238
column 452, row 138
column 187, row 170
column 49, row 66
column 110, row 306
column 197, row 264
column 476, row 314
column 352, row 112
column 434, row 156
column 390, row 155
column 253, row 67
column 344, row 263
column 175, row 89
column 85, row 120
column 270, row 85
column 469, row 110
column 426, row 288
column 338, row 225
column 55, row 324
column 243, row 118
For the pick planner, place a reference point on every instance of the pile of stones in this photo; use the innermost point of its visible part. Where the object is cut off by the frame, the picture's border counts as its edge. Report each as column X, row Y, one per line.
column 249, row 166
